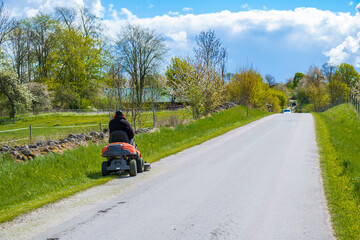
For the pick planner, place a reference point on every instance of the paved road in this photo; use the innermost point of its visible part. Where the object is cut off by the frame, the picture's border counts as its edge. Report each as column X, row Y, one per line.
column 261, row 181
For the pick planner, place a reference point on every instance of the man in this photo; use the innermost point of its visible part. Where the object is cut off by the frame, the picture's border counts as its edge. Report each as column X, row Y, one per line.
column 120, row 129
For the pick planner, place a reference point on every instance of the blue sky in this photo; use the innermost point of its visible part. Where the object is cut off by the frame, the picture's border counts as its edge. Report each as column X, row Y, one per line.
column 275, row 37
column 151, row 8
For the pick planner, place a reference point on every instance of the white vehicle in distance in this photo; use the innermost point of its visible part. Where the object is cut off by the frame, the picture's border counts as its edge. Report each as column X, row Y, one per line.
column 286, row 110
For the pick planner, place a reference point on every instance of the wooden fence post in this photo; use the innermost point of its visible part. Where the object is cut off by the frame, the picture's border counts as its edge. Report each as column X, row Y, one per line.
column 30, row 135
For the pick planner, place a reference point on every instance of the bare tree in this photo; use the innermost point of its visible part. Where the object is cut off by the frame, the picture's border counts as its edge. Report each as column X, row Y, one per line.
column 210, row 52
column 6, row 22
column 43, row 42
column 89, row 23
column 155, row 89
column 140, row 50
column 118, row 83
column 270, row 80
column 66, row 15
column 17, row 48
column 328, row 71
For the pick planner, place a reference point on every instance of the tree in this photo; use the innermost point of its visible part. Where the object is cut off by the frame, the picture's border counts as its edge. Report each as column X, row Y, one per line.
column 315, row 88
column 89, row 23
column 118, row 83
column 338, row 91
column 77, row 61
column 270, row 80
column 6, row 23
column 140, row 51
column 15, row 96
column 66, row 15
column 155, row 90
column 347, row 73
column 40, row 97
column 247, row 88
column 43, row 41
column 182, row 79
column 297, row 78
column 210, row 53
column 18, row 50
column 328, row 70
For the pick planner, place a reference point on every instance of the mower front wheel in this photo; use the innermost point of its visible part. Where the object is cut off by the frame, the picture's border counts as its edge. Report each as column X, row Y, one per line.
column 133, row 168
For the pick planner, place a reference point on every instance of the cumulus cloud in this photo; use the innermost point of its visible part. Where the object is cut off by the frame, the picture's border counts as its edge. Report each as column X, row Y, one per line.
column 351, row 3
column 301, row 29
column 98, row 9
column 347, row 51
column 357, row 7
column 332, row 34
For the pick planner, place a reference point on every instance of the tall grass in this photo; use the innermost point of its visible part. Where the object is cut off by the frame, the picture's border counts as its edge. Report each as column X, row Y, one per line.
column 51, row 177
column 338, row 136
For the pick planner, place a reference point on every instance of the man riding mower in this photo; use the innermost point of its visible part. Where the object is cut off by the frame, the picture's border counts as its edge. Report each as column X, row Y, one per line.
column 121, row 153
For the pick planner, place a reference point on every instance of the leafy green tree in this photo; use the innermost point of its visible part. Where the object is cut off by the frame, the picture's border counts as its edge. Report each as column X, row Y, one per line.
column 14, row 95
column 247, row 88
column 315, row 88
column 297, row 78
column 77, row 61
column 182, row 78
column 338, row 91
column 347, row 73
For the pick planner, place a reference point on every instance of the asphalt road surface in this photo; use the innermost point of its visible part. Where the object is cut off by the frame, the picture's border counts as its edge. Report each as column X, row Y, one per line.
column 260, row 181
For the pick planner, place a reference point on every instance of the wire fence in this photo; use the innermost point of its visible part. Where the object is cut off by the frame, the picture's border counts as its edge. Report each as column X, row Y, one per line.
column 355, row 102
column 27, row 135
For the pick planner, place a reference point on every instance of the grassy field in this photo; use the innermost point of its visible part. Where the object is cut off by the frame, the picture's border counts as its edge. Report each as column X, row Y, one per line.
column 52, row 177
column 59, row 125
column 338, row 137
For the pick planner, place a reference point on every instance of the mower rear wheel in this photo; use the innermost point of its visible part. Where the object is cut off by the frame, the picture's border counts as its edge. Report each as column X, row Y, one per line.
column 140, row 165
column 133, row 169
column 104, row 171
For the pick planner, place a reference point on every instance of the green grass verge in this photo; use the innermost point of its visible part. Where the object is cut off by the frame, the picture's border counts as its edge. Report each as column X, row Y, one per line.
column 52, row 177
column 338, row 137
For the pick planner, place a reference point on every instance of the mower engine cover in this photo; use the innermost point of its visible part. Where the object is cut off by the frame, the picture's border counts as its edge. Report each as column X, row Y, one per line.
column 119, row 149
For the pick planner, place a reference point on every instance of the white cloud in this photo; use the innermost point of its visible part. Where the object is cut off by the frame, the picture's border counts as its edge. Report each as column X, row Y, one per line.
column 351, row 3
column 187, row 9
column 297, row 29
column 347, row 51
column 98, row 9
column 151, row 5
column 180, row 37
column 173, row 13
column 334, row 34
column 111, row 6
column 357, row 7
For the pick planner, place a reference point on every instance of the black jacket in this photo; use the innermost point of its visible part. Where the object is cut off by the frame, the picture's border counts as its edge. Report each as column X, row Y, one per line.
column 120, row 123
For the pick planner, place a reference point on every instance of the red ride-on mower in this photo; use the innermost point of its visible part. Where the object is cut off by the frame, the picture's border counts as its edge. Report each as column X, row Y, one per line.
column 122, row 157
